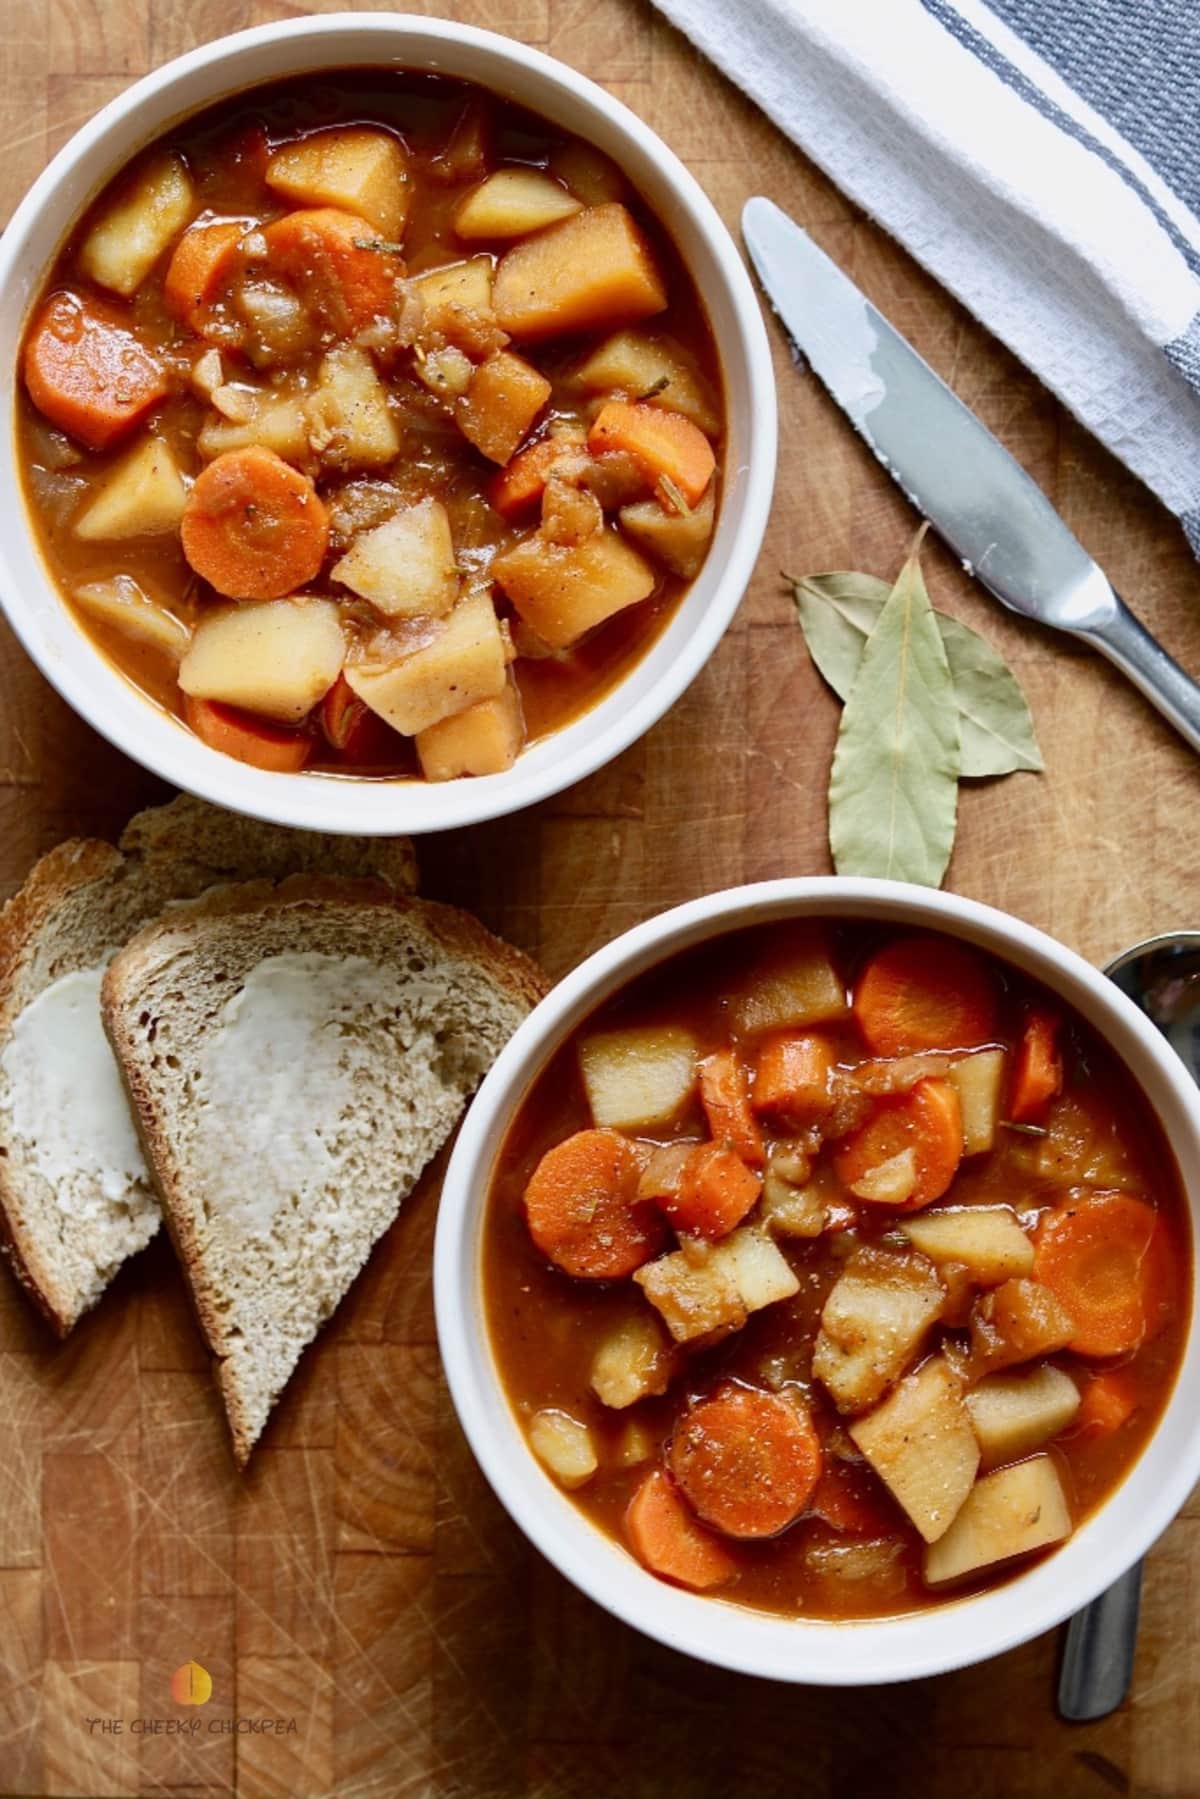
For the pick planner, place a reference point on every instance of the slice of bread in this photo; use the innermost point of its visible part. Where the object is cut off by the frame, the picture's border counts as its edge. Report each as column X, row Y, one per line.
column 75, row 1197
column 295, row 1056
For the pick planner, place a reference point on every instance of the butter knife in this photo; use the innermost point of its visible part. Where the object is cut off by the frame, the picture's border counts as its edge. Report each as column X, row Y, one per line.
column 977, row 496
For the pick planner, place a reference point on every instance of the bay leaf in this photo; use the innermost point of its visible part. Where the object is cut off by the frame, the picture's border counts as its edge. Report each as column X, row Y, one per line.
column 837, row 613
column 893, row 792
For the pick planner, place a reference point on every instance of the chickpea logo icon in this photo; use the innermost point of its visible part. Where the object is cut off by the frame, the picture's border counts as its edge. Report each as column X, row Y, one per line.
column 191, row 1685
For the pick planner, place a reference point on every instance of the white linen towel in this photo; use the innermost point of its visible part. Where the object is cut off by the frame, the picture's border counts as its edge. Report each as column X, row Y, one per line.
column 1040, row 157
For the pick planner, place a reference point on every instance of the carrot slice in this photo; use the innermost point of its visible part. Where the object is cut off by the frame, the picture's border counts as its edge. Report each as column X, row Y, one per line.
column 253, row 526
column 667, row 1539
column 1108, row 1400
column 202, row 263
column 852, row 1500
column 582, row 1208
column 88, row 373
column 516, row 488
column 746, row 1461
column 715, row 1191
column 336, row 264
column 1107, row 1258
column 674, row 452
column 792, row 1084
column 922, row 992
column 725, row 1096
column 1039, row 1071
column 928, row 1119
column 247, row 738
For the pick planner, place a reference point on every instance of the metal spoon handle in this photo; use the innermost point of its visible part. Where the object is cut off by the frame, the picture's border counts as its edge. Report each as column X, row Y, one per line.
column 1127, row 643
column 1098, row 1658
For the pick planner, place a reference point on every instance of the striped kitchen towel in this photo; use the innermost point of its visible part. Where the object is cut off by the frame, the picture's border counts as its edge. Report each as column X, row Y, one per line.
column 1040, row 157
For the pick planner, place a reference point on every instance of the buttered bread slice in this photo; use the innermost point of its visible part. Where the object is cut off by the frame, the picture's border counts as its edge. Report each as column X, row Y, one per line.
column 75, row 1196
column 295, row 1056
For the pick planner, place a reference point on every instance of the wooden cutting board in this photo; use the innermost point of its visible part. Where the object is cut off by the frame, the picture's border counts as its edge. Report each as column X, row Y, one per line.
column 360, row 1586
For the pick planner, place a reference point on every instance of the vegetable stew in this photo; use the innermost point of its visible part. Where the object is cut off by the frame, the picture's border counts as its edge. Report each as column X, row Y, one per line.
column 836, row 1271
column 371, row 426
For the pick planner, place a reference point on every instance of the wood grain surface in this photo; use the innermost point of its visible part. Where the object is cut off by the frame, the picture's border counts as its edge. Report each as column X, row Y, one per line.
column 361, row 1580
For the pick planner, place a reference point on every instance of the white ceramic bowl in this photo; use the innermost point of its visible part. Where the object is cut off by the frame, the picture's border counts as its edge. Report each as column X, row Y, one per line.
column 821, row 1653
column 102, row 696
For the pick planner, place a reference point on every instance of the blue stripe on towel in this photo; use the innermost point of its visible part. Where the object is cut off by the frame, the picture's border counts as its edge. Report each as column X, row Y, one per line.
column 994, row 59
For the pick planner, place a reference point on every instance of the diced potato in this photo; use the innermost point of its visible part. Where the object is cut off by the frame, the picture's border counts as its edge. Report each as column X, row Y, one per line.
column 138, row 225
column 564, row 590
column 635, row 1361
column 484, row 740
column 511, row 203
column 657, row 369
column 741, row 1274
column 122, row 606
column 871, row 1562
column 456, row 284
column 349, row 421
column 1017, row 1322
column 1014, row 1413
column 980, row 1082
column 436, row 668
column 635, row 1445
column 796, row 984
column 986, row 1239
column 143, row 495
column 638, row 1077
column 791, row 1211
column 680, row 540
column 591, row 270
column 277, row 657
column 277, row 421
column 921, row 1444
column 661, row 1175
column 890, row 1183
column 588, row 172
column 499, row 407
column 564, row 1446
column 406, row 566
column 873, row 1323
column 1012, row 1512
column 447, row 372
column 357, row 167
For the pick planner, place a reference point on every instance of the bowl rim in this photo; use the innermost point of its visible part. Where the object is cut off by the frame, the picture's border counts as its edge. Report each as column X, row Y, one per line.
column 95, row 689
column 959, row 1631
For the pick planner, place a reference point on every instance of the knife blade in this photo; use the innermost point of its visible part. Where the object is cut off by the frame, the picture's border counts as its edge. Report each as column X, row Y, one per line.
column 974, row 493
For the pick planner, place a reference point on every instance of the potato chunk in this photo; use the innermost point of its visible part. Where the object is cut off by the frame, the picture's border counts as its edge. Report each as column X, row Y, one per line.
column 588, row 172
column 137, row 226
column 794, row 984
column 873, row 1323
column 635, row 1361
column 275, row 421
column 980, row 1082
column 121, row 605
column 405, row 566
column 465, row 285
column 638, row 1077
column 432, row 668
column 497, row 411
column 513, row 202
column 277, row 657
column 680, row 540
column 564, row 1446
column 1012, row 1512
column 591, row 270
column 717, row 1290
column 142, row 496
column 657, row 369
column 350, row 424
column 1017, row 1322
column 921, row 1444
column 986, row 1239
column 486, row 739
column 357, row 168
column 564, row 590
column 1014, row 1413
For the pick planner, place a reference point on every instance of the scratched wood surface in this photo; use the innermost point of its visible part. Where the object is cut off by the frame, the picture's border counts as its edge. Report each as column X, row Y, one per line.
column 360, row 1580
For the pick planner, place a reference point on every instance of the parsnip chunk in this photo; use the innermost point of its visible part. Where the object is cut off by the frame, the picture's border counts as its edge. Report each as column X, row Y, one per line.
column 644, row 367
column 564, row 590
column 591, row 270
column 873, row 1323
column 122, row 606
column 486, row 739
column 405, row 566
column 638, row 1077
column 142, row 496
column 432, row 668
column 980, row 1082
column 513, row 202
column 635, row 1361
column 349, row 421
column 138, row 225
column 716, row 1290
column 680, row 540
column 564, row 1446
column 921, row 1444
column 986, row 1239
column 1014, row 1413
column 277, row 657
column 357, row 168
column 1012, row 1512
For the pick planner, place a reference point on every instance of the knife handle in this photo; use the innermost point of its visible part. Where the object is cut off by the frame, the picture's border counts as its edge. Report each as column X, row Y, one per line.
column 1141, row 657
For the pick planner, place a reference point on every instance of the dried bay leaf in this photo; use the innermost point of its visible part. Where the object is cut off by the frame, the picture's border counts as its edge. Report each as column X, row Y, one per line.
column 893, row 792
column 837, row 613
